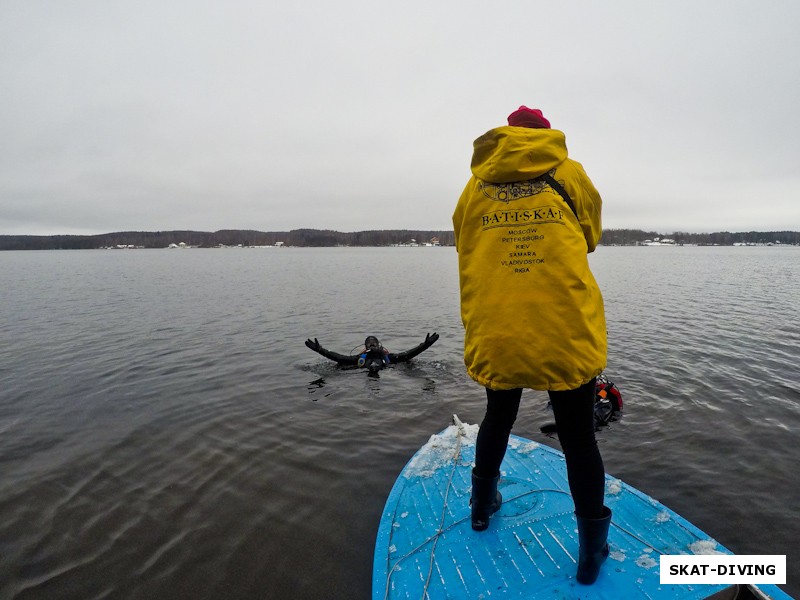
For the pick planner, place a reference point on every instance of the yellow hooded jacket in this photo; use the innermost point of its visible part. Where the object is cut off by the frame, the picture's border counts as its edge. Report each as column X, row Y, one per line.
column 531, row 308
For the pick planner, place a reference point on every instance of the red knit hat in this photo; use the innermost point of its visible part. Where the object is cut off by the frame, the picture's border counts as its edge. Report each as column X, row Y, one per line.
column 528, row 117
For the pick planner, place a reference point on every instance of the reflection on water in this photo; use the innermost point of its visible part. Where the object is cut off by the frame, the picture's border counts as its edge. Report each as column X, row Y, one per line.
column 165, row 433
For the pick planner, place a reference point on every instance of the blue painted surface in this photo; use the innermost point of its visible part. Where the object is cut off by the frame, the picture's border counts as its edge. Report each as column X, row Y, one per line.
column 531, row 546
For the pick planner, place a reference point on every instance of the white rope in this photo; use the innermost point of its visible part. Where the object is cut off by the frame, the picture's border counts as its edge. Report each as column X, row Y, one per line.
column 461, row 432
column 441, row 532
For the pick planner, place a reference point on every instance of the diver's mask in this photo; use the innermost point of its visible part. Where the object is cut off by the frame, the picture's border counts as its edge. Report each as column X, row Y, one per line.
column 372, row 343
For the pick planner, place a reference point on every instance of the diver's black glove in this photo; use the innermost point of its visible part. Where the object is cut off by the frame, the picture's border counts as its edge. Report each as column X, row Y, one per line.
column 430, row 339
column 313, row 345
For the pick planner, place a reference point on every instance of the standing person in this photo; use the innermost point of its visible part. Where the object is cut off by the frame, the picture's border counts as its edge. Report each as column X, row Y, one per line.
column 532, row 310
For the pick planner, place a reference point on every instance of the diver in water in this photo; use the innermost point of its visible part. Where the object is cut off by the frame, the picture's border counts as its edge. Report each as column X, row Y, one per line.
column 374, row 356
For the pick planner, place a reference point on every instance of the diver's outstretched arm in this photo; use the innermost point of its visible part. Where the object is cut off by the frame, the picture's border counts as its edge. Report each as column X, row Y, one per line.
column 409, row 354
column 342, row 359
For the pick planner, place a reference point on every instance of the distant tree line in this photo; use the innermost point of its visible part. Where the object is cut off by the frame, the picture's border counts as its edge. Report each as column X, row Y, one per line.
column 325, row 237
column 632, row 237
column 226, row 237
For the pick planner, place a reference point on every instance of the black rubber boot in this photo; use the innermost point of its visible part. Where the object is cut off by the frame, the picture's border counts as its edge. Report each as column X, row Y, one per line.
column 593, row 539
column 485, row 501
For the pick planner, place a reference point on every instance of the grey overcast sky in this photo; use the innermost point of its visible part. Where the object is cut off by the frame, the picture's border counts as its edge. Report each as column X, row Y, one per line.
column 352, row 115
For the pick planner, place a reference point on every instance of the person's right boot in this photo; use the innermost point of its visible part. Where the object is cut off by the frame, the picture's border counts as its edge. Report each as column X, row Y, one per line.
column 485, row 501
column 593, row 551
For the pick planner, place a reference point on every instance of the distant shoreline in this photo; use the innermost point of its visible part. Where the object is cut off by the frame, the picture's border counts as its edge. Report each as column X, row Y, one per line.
column 323, row 238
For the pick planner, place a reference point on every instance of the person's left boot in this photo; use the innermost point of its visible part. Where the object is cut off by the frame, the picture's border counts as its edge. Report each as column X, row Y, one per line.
column 485, row 500
column 593, row 540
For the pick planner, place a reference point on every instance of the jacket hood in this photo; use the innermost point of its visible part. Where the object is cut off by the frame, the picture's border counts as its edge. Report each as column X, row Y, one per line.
column 507, row 154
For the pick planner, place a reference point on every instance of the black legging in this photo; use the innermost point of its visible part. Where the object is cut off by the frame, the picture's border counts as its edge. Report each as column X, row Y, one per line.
column 574, row 414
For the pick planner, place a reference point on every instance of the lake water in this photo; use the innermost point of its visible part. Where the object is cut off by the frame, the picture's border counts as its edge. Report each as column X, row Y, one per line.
column 165, row 433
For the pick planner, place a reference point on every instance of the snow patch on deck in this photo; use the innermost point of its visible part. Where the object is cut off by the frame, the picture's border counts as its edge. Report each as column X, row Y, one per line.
column 440, row 450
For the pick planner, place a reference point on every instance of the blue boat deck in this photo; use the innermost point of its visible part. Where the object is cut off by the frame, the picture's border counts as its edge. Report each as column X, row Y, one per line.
column 530, row 549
